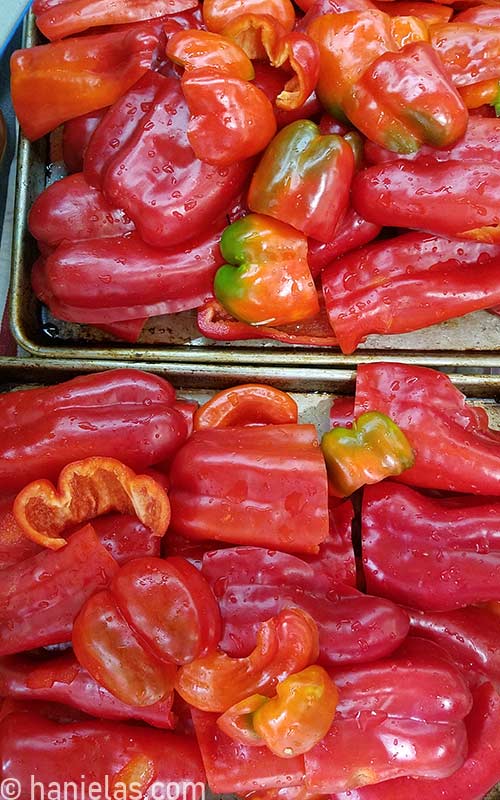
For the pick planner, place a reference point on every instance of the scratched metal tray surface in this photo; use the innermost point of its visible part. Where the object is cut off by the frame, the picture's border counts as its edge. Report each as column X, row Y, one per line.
column 312, row 389
column 471, row 341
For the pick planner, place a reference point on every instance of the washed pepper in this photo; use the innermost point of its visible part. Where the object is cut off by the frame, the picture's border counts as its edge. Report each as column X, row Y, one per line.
column 266, row 280
column 352, row 232
column 77, row 133
column 371, row 450
column 248, row 404
column 304, row 179
column 267, row 486
column 430, row 13
column 453, row 445
column 217, row 13
column 469, row 52
column 193, row 49
column 424, row 553
column 58, row 81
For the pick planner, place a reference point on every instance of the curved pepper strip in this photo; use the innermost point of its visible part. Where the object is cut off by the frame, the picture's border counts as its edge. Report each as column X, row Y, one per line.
column 421, row 552
column 55, row 82
column 267, row 278
column 476, row 95
column 215, row 322
column 218, row 13
column 87, row 489
column 372, row 449
column 74, row 16
column 272, row 81
column 286, row 644
column 469, row 52
column 230, row 119
column 429, row 13
column 193, row 49
column 290, row 723
column 263, row 37
column 472, row 781
column 453, row 446
column 304, row 179
column 63, row 680
column 248, row 404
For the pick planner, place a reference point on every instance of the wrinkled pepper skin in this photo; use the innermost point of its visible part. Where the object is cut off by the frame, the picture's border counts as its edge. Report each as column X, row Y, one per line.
column 423, row 553
column 407, row 283
column 267, row 279
column 372, row 449
column 412, row 194
column 41, row 596
column 108, row 753
column 267, row 486
column 124, row 414
column 53, row 83
column 172, row 193
column 123, row 278
column 252, row 583
column 303, row 179
column 453, row 446
column 469, row 52
column 63, row 680
column 472, row 781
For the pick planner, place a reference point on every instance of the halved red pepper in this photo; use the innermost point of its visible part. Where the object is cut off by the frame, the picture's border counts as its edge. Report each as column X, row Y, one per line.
column 87, row 489
column 266, row 485
column 453, row 445
column 336, row 555
column 55, row 82
column 424, row 553
column 304, row 180
column 272, row 81
column 217, row 13
column 469, row 52
column 41, row 596
column 193, row 49
column 286, row 643
column 352, row 232
column 77, row 133
column 430, row 13
column 248, row 404
column 63, row 680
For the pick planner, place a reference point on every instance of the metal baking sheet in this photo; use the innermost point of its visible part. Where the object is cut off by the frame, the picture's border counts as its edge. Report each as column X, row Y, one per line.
column 472, row 341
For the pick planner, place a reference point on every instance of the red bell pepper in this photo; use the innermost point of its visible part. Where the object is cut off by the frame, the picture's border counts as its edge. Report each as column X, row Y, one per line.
column 230, row 119
column 56, row 82
column 41, row 596
column 116, row 656
column 430, row 13
column 233, row 767
column 318, row 8
column 336, row 554
column 77, row 133
column 272, row 81
column 63, row 680
column 123, row 278
column 426, row 554
column 470, row 52
column 287, row 643
column 304, row 179
column 14, row 545
column 342, row 412
column 251, row 584
column 478, row 774
column 71, row 209
column 124, row 414
column 93, row 755
column 87, row 489
column 265, row 486
column 408, row 283
column 352, row 232
column 74, row 16
column 194, row 49
column 469, row 635
column 215, row 322
column 412, row 195
column 248, row 404
column 171, row 606
column 171, row 194
column 453, row 446
column 218, row 13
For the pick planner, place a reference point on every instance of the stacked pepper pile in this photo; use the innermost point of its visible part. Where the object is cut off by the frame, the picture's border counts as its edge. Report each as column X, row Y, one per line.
column 263, row 646
column 239, row 158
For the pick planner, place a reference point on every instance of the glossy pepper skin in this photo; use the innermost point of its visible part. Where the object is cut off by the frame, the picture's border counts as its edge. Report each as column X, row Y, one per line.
column 266, row 280
column 372, row 449
column 470, row 52
column 53, row 83
column 407, row 283
column 453, row 445
column 411, row 195
column 267, row 486
column 248, row 404
column 42, row 595
column 352, row 232
column 107, row 753
column 77, row 133
column 472, row 781
column 218, row 13
column 423, row 553
column 63, row 680
column 193, row 49
column 124, row 414
column 168, row 205
column 303, row 179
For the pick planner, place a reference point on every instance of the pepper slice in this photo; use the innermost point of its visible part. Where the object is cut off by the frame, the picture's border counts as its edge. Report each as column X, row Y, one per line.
column 267, row 278
column 87, row 489
column 248, row 404
column 193, row 49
